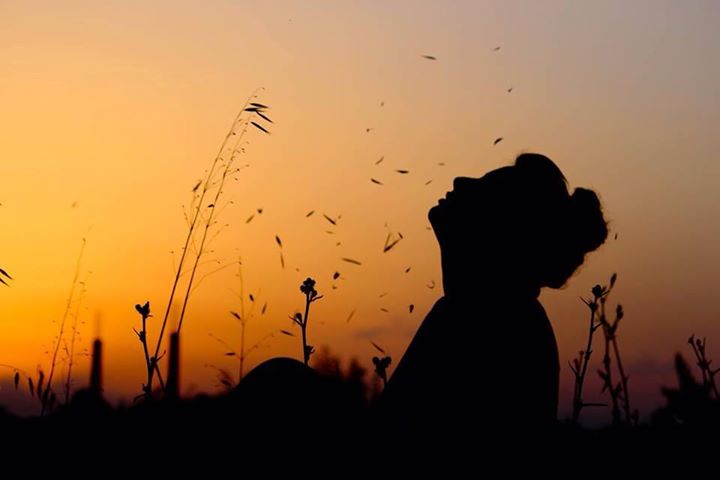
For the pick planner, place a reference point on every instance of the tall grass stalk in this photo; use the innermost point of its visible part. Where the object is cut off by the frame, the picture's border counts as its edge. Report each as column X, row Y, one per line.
column 71, row 350
column 579, row 365
column 48, row 388
column 237, row 132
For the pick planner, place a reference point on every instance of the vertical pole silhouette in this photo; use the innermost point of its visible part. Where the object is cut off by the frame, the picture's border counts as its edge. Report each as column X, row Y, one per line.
column 172, row 387
column 96, row 368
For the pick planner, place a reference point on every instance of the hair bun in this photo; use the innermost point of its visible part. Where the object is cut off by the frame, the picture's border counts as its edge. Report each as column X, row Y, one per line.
column 588, row 224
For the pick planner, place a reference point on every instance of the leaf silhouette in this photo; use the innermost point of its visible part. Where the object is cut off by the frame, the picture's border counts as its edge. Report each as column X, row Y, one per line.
column 351, row 260
column 264, row 117
column 260, row 127
column 390, row 245
column 377, row 347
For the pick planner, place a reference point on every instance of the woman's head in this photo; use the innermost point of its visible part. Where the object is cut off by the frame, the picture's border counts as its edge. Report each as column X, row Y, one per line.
column 517, row 226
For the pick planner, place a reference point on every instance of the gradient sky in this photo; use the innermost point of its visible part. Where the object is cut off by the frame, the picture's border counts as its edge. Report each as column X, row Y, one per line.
column 111, row 111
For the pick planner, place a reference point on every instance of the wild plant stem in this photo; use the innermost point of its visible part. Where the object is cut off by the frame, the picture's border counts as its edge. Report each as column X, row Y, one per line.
column 607, row 333
column 191, row 229
column 209, row 222
column 580, row 377
column 624, row 379
column 306, row 355
column 62, row 323
column 72, row 346
column 148, row 362
column 242, row 321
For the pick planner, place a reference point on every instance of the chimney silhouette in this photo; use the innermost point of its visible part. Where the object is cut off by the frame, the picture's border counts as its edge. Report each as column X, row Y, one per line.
column 172, row 387
column 96, row 368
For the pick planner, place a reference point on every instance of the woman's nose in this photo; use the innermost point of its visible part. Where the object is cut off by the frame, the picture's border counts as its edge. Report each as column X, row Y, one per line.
column 461, row 183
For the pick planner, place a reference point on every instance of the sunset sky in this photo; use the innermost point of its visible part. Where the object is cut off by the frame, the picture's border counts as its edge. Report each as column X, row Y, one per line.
column 110, row 112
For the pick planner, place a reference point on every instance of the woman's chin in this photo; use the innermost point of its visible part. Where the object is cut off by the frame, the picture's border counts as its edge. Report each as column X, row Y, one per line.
column 436, row 216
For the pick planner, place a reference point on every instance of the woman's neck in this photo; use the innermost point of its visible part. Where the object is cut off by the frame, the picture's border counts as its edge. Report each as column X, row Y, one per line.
column 475, row 289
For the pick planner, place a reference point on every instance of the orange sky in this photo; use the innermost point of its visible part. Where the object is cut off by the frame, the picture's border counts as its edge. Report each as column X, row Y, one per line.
column 117, row 108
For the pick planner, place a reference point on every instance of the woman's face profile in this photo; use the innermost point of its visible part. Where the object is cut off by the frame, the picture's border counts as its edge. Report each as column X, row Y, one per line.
column 459, row 216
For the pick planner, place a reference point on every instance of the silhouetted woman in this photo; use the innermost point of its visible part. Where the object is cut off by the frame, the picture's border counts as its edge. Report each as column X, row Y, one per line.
column 486, row 354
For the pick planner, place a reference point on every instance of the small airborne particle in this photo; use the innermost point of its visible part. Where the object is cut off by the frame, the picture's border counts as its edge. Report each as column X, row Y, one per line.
column 331, row 220
column 496, row 49
column 350, row 316
column 411, row 307
column 509, row 90
column 377, row 347
column 384, row 310
column 309, row 214
column 377, row 182
column 382, row 104
column 351, row 260
column 429, row 57
column 260, row 210
column 389, row 246
column 407, row 270
column 497, row 140
column 428, row 182
column 380, row 161
column 278, row 241
column 249, row 219
column 403, row 172
column 441, row 164
column 336, row 275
